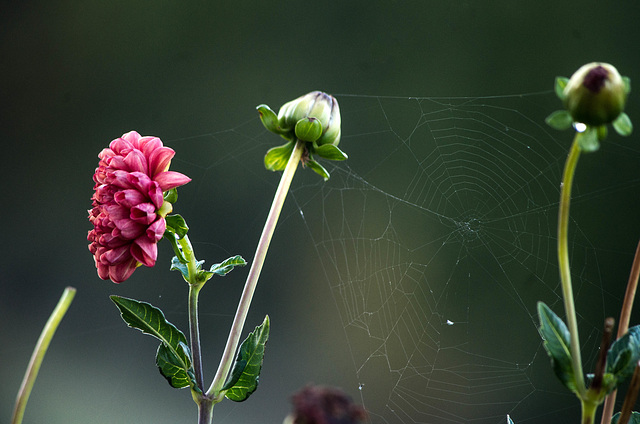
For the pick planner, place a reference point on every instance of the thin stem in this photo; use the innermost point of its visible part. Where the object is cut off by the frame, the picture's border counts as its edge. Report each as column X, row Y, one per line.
column 254, row 272
column 38, row 353
column 194, row 331
column 205, row 411
column 625, row 316
column 563, row 261
column 194, row 328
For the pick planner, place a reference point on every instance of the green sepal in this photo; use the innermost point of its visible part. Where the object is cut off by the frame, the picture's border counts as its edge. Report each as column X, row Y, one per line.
column 556, row 336
column 227, row 265
column 561, row 83
column 174, row 360
column 329, row 151
column 269, row 119
column 559, row 120
column 177, row 225
column 318, row 169
column 308, row 129
column 170, row 367
column 173, row 239
column 601, row 132
column 588, row 140
column 246, row 369
column 634, row 419
column 277, row 158
column 624, row 354
column 171, row 195
column 622, row 124
column 627, row 85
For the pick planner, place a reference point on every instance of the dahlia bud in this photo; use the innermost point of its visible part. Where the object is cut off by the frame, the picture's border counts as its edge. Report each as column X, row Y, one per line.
column 317, row 105
column 595, row 94
column 314, row 119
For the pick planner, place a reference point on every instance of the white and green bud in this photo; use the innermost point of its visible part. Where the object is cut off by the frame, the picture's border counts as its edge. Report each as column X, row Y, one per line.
column 595, row 94
column 318, row 105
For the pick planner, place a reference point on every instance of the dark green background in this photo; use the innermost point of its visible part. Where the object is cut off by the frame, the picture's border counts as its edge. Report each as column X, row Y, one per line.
column 76, row 74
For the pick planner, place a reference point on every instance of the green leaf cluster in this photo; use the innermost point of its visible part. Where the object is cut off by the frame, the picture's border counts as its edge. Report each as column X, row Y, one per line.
column 173, row 357
column 202, row 275
column 634, row 419
column 622, row 356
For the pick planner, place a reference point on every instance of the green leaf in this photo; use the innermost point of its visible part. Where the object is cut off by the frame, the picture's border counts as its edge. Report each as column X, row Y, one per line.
column 227, row 265
column 623, row 125
column 559, row 120
column 269, row 119
column 277, row 157
column 509, row 420
column 561, row 83
column 588, row 140
column 177, row 225
column 331, row 152
column 555, row 334
column 180, row 265
column 624, row 354
column 634, row 419
column 318, row 169
column 174, row 360
column 171, row 195
column 170, row 367
column 246, row 370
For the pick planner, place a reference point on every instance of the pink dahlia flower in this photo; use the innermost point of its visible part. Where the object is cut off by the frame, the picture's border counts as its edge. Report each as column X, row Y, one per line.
column 128, row 205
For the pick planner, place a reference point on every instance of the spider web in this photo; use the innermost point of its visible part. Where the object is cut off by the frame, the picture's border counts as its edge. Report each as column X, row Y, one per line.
column 437, row 238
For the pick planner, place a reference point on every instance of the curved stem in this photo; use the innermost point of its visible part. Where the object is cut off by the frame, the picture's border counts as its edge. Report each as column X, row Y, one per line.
column 563, row 261
column 254, row 272
column 38, row 353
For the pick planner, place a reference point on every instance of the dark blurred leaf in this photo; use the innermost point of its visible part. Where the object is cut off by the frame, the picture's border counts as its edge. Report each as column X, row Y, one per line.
column 624, row 354
column 634, row 419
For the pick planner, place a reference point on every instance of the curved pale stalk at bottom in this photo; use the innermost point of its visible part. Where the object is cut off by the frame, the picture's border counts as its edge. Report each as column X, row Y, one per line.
column 38, row 353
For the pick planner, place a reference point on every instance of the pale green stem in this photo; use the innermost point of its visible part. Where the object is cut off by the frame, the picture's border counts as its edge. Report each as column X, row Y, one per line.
column 563, row 261
column 254, row 272
column 38, row 353
column 623, row 326
column 588, row 411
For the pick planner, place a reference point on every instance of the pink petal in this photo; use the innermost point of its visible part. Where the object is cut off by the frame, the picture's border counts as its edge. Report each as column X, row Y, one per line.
column 159, row 160
column 149, row 144
column 144, row 213
column 132, row 137
column 120, row 272
column 155, row 194
column 139, row 181
column 119, row 178
column 156, row 230
column 129, row 198
column 117, row 255
column 144, row 251
column 120, row 146
column 136, row 161
column 171, row 179
column 129, row 229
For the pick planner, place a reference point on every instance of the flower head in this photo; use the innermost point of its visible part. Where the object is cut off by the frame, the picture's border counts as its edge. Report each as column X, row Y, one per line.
column 324, row 405
column 129, row 209
column 595, row 94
